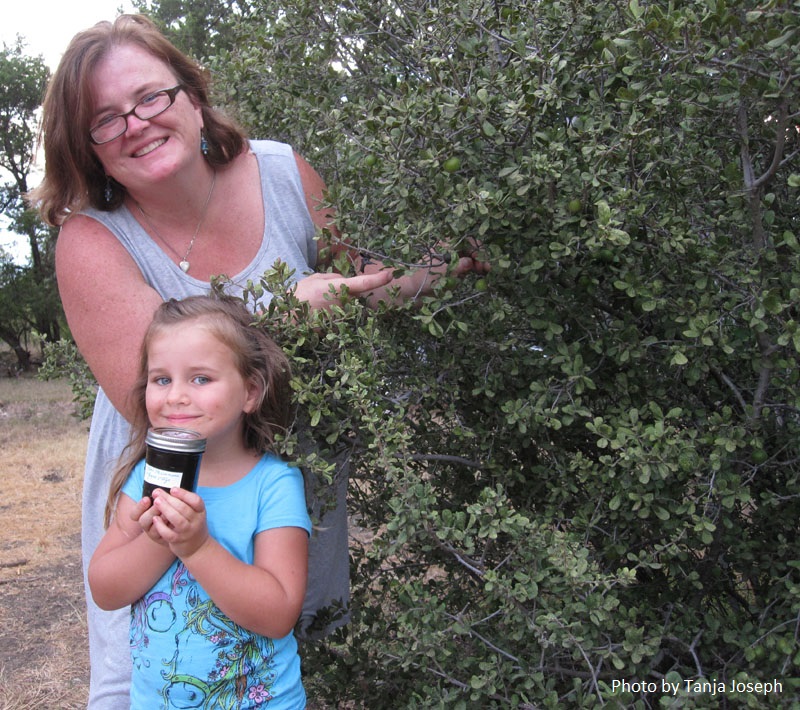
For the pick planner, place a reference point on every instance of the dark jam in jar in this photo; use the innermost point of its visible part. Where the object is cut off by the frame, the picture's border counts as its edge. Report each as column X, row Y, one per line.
column 172, row 459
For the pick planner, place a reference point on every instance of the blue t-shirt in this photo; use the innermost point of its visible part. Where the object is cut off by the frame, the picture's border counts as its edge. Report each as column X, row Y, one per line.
column 186, row 653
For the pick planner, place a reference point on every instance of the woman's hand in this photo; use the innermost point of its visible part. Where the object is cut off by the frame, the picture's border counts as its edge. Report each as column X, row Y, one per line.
column 420, row 281
column 377, row 282
column 180, row 521
column 470, row 263
column 322, row 290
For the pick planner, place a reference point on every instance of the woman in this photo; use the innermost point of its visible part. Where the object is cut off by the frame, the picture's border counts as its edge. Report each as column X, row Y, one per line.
column 155, row 193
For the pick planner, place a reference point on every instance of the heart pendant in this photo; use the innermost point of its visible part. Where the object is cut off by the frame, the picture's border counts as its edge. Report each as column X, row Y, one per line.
column 184, row 266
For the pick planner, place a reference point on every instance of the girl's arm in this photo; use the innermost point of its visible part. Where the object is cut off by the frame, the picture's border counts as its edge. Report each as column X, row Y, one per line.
column 127, row 562
column 265, row 597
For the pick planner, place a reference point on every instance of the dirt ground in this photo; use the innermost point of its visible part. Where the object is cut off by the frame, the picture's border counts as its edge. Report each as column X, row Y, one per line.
column 43, row 650
column 43, row 647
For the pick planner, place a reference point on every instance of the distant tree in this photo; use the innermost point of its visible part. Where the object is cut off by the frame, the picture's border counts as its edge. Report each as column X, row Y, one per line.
column 29, row 290
column 201, row 28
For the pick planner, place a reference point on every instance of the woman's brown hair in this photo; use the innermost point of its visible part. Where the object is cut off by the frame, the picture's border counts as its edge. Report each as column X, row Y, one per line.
column 74, row 177
column 256, row 356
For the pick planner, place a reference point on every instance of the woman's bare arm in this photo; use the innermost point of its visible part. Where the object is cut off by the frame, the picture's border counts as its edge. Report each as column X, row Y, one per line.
column 107, row 303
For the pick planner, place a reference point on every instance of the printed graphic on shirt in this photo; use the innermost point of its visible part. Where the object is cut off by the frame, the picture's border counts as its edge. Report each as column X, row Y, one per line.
column 205, row 659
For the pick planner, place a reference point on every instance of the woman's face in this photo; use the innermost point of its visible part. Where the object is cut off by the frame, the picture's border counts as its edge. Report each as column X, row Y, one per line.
column 150, row 150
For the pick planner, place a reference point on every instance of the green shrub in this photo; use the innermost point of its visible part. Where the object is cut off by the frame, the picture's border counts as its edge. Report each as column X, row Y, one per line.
column 583, row 468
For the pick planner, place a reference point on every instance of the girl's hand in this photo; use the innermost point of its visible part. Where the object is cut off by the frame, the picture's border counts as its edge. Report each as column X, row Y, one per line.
column 143, row 512
column 180, row 521
column 126, row 562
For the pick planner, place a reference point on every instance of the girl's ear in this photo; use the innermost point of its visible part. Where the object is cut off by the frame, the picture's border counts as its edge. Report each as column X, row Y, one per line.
column 255, row 395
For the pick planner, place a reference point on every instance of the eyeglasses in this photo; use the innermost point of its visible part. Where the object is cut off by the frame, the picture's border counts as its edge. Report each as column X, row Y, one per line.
column 111, row 127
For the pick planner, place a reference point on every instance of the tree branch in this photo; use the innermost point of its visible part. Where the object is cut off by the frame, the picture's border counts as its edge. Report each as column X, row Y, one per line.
column 780, row 143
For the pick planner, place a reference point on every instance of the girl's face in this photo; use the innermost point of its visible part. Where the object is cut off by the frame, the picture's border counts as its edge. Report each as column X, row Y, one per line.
column 149, row 150
column 193, row 383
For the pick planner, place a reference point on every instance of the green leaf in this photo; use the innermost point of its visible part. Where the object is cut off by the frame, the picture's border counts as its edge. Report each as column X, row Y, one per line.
column 679, row 358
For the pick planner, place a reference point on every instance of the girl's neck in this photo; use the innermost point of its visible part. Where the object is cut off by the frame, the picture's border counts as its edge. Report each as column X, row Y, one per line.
column 224, row 468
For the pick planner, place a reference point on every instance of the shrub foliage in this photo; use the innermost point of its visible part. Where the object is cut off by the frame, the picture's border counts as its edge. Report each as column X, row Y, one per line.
column 583, row 467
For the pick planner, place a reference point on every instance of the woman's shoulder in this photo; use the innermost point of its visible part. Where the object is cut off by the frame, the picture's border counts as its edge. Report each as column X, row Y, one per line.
column 94, row 222
column 268, row 147
column 81, row 222
column 86, row 235
column 278, row 161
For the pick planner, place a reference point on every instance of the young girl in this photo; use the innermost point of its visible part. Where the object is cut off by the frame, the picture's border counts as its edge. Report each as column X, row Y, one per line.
column 216, row 578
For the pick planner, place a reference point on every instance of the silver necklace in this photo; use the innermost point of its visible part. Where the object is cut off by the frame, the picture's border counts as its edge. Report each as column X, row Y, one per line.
column 183, row 263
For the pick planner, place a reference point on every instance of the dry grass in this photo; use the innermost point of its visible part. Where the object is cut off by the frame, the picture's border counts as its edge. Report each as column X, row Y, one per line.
column 43, row 649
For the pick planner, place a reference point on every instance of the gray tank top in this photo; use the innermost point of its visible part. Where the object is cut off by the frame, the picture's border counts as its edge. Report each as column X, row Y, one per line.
column 289, row 236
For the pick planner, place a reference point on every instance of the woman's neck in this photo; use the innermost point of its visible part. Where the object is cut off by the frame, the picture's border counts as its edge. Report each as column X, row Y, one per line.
column 178, row 203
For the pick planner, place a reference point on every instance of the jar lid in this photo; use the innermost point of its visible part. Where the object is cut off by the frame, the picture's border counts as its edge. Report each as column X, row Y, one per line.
column 175, row 439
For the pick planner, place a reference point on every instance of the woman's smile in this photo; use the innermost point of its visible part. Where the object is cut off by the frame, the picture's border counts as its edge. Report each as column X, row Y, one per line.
column 149, row 148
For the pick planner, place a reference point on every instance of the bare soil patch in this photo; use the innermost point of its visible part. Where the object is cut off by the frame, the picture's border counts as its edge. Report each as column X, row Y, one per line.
column 43, row 646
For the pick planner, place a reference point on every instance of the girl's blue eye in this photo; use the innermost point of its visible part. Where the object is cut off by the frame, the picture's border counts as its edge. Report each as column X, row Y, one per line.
column 202, row 380
column 161, row 380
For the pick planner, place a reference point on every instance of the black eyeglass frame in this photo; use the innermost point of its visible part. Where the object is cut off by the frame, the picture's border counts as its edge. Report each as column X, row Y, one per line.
column 171, row 93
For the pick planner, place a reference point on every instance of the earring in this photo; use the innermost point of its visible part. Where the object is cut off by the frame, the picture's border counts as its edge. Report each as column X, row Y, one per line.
column 108, row 193
column 203, row 143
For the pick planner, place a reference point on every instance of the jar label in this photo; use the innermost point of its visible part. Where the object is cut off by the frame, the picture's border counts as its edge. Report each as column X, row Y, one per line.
column 161, row 478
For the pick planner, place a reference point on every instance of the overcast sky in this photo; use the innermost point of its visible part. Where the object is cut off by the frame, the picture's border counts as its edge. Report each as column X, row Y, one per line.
column 47, row 26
